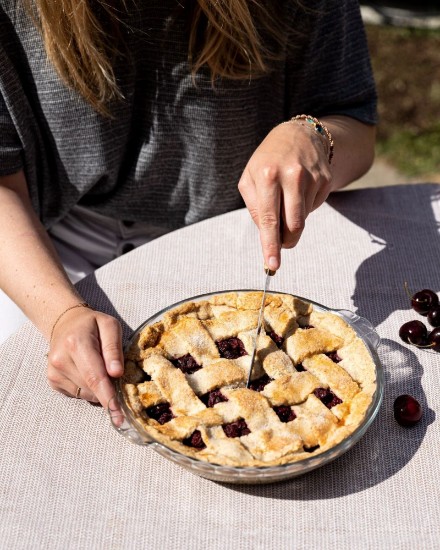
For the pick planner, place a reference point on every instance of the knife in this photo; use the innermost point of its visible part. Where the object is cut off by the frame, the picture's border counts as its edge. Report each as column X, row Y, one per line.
column 269, row 274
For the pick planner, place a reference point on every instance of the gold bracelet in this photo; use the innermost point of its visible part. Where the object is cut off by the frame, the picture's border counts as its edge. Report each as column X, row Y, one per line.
column 82, row 304
column 321, row 129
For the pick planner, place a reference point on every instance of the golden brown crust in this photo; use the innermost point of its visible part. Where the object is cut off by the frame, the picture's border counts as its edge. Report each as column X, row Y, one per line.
column 313, row 380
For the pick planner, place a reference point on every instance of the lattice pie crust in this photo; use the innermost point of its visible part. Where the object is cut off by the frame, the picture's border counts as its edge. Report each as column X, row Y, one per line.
column 185, row 380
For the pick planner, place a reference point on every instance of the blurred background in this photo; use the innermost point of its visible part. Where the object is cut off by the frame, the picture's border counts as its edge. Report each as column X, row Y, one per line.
column 404, row 42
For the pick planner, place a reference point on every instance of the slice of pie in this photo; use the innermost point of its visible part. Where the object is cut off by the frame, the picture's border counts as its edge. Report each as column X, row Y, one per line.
column 185, row 380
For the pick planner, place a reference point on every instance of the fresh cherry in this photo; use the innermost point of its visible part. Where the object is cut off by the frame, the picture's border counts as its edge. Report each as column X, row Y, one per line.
column 434, row 339
column 423, row 300
column 414, row 332
column 407, row 410
column 434, row 316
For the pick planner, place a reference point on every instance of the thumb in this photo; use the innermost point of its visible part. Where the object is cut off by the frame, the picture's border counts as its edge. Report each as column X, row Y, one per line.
column 110, row 333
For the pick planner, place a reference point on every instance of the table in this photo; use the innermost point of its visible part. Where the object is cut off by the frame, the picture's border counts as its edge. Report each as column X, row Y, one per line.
column 68, row 480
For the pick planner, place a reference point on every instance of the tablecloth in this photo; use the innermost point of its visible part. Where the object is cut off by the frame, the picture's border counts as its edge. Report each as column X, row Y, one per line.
column 68, row 480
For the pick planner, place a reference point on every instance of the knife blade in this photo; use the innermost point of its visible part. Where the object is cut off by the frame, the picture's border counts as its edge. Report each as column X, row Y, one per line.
column 269, row 274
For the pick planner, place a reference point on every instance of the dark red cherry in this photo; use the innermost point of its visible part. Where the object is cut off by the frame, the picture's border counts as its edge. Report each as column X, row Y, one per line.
column 434, row 339
column 195, row 440
column 424, row 300
column 187, row 364
column 414, row 332
column 231, row 348
column 434, row 316
column 407, row 410
column 237, row 428
column 161, row 412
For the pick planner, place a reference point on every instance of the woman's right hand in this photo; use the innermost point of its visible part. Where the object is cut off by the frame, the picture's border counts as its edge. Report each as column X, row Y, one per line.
column 85, row 345
column 85, row 351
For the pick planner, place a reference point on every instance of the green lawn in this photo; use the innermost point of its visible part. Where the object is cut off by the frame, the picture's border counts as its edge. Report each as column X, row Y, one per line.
column 406, row 64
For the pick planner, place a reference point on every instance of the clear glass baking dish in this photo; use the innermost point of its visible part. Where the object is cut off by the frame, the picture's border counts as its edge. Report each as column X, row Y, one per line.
column 125, row 423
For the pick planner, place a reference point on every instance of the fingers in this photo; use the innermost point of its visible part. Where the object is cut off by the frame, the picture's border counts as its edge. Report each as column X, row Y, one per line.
column 248, row 191
column 76, row 389
column 91, row 367
column 279, row 202
column 269, row 209
column 85, row 355
column 323, row 191
column 111, row 346
column 298, row 198
column 276, row 202
column 63, row 377
column 285, row 179
column 262, row 196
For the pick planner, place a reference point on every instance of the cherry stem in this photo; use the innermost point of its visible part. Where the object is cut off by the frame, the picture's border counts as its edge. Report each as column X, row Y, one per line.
column 405, row 286
column 419, row 346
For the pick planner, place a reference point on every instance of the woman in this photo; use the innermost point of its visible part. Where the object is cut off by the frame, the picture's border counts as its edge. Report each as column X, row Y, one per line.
column 121, row 121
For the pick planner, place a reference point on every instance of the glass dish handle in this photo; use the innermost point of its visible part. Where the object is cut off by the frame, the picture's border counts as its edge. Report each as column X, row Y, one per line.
column 362, row 326
column 122, row 425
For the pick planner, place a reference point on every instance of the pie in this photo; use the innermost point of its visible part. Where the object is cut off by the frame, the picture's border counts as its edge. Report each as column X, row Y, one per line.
column 185, row 379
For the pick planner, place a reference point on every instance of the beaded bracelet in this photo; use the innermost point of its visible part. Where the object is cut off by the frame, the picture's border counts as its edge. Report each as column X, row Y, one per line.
column 82, row 304
column 321, row 129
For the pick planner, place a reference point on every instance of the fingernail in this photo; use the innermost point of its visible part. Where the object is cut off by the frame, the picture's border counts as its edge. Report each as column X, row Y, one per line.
column 272, row 263
column 115, row 366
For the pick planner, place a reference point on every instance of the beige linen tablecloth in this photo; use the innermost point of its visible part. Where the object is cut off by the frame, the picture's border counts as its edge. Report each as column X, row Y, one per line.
column 69, row 481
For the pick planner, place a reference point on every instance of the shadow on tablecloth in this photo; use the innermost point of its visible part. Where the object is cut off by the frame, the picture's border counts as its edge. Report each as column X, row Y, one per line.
column 383, row 451
column 401, row 218
column 95, row 295
column 404, row 223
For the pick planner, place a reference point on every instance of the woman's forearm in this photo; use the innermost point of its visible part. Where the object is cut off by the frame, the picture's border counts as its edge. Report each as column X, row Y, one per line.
column 31, row 273
column 353, row 149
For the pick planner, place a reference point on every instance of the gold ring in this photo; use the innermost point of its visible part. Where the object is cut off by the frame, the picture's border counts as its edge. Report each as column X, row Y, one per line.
column 78, row 392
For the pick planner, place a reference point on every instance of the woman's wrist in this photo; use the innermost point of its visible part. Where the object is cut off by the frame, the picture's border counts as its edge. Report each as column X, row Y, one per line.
column 63, row 313
column 319, row 129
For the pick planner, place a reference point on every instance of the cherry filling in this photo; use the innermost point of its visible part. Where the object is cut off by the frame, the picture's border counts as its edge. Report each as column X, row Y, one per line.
column 161, row 412
column 213, row 397
column 231, row 348
column 195, row 440
column 299, row 367
column 333, row 355
column 260, row 383
column 276, row 338
column 186, row 364
column 327, row 397
column 237, row 428
column 310, row 449
column 145, row 377
column 285, row 414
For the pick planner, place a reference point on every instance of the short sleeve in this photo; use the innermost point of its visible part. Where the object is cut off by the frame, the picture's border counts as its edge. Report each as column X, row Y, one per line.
column 10, row 147
column 10, row 143
column 330, row 74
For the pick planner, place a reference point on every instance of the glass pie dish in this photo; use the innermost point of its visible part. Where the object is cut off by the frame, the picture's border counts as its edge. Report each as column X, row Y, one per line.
column 128, row 424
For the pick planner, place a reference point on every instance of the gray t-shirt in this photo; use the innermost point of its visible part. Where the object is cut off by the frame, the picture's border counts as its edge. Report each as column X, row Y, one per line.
column 173, row 152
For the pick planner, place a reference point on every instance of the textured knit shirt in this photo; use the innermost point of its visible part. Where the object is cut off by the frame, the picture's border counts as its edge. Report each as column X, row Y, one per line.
column 174, row 150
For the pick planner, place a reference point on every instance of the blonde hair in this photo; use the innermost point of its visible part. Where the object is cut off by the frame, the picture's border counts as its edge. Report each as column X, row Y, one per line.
column 82, row 41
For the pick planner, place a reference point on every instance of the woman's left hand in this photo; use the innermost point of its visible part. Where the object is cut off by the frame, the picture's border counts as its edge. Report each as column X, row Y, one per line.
column 287, row 177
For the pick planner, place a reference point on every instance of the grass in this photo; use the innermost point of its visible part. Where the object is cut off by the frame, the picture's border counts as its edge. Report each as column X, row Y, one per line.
column 407, row 72
column 413, row 154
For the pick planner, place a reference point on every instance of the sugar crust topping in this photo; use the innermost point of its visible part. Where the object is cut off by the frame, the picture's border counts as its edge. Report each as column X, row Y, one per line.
column 185, row 380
